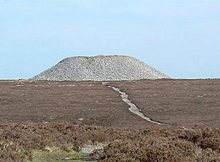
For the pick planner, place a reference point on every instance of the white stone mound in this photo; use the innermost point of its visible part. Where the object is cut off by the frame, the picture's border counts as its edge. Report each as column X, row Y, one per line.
column 100, row 68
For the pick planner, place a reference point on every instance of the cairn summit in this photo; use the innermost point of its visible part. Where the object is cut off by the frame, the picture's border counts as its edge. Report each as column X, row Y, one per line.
column 100, row 68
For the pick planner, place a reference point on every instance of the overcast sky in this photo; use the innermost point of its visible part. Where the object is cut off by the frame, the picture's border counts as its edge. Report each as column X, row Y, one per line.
column 179, row 37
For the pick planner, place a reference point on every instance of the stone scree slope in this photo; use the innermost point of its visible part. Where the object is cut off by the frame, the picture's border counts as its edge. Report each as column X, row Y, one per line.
column 100, row 68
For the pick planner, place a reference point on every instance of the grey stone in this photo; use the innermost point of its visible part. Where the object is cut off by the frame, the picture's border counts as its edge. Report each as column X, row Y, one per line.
column 100, row 68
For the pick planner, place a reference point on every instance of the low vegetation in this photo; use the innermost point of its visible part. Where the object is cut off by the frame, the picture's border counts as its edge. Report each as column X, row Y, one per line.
column 33, row 141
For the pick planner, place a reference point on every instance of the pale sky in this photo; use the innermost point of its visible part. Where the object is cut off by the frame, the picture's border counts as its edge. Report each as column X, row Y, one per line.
column 178, row 37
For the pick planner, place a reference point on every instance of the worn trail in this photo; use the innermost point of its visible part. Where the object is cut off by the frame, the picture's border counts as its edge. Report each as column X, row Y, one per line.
column 132, row 107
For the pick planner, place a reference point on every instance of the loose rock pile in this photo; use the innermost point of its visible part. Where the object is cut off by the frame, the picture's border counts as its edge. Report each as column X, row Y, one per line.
column 100, row 68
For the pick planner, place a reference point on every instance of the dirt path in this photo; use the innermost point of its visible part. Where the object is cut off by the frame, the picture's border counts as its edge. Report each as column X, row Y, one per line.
column 137, row 111
column 133, row 108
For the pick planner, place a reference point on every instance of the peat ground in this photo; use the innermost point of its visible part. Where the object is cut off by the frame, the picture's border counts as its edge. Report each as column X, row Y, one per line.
column 67, row 115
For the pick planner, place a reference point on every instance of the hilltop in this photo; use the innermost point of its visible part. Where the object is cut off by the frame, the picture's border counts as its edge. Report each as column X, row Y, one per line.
column 100, row 68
